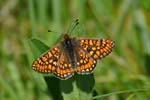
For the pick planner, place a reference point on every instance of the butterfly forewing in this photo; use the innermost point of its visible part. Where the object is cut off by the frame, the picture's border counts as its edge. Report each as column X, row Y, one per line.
column 97, row 48
column 47, row 63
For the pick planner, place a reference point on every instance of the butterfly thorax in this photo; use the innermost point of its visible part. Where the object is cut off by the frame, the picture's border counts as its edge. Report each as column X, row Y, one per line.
column 68, row 48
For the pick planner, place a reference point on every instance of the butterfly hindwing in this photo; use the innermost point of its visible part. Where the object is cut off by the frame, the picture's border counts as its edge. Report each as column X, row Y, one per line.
column 64, row 69
column 85, row 64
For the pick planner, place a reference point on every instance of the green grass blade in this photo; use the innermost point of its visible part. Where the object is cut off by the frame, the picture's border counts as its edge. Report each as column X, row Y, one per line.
column 7, row 90
column 42, row 6
column 32, row 16
column 121, row 92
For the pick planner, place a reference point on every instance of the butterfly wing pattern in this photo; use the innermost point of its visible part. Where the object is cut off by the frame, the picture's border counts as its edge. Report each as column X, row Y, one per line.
column 53, row 61
column 64, row 68
column 73, row 55
column 97, row 48
column 85, row 63
column 47, row 63
column 90, row 51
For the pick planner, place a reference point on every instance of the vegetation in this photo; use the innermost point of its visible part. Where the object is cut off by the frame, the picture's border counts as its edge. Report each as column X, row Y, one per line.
column 123, row 75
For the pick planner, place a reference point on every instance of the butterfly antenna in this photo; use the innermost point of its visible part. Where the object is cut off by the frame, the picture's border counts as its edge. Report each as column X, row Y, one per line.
column 73, row 26
column 61, row 35
column 50, row 31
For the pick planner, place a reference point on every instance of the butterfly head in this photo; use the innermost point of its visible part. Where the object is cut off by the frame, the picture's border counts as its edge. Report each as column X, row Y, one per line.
column 66, row 37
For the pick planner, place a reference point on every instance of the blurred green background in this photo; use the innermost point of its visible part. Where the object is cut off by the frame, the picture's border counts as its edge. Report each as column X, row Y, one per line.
column 127, row 22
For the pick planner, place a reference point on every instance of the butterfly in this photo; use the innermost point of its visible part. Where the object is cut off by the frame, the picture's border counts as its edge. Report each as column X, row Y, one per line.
column 72, row 55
